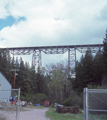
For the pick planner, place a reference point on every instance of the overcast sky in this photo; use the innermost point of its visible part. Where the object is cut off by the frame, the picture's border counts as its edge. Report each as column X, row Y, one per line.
column 52, row 22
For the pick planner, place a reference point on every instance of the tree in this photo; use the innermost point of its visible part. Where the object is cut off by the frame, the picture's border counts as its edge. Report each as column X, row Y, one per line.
column 41, row 82
column 98, row 68
column 33, row 80
column 56, row 85
column 5, row 63
column 23, row 80
column 104, row 81
column 105, row 53
column 84, row 71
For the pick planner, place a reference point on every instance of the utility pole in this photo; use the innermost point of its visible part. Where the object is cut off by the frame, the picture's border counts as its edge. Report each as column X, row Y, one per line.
column 14, row 76
column 14, row 79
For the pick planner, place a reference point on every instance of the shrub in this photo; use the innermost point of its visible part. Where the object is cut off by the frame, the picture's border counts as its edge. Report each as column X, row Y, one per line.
column 27, row 97
column 74, row 100
column 39, row 98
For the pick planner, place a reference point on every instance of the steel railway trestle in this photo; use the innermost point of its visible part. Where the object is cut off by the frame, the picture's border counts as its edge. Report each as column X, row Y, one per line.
column 71, row 49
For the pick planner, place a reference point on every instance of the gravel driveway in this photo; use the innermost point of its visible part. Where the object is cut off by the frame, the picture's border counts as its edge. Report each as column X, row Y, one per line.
column 30, row 114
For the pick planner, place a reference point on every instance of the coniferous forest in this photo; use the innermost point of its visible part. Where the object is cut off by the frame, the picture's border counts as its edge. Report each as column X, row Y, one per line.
column 53, row 84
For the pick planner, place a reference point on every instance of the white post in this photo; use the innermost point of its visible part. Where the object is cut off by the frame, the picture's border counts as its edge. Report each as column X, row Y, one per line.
column 18, row 105
column 85, row 104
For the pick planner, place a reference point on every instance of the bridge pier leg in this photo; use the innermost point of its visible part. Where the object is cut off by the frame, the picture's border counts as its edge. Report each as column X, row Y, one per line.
column 71, row 61
column 36, row 59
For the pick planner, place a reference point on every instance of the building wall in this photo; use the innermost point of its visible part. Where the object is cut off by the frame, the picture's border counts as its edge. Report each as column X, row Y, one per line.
column 5, row 92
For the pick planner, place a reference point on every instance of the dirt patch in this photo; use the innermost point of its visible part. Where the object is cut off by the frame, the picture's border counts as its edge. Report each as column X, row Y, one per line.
column 74, row 110
column 28, row 114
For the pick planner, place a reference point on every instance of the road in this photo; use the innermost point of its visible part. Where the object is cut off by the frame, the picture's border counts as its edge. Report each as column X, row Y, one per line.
column 27, row 114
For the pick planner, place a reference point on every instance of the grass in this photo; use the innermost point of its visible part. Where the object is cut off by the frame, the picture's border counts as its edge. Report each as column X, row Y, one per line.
column 97, row 116
column 53, row 115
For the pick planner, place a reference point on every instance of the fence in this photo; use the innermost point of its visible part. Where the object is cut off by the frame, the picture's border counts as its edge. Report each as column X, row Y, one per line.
column 8, row 102
column 95, row 104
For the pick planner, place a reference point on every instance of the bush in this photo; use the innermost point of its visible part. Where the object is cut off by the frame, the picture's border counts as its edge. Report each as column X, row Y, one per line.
column 67, row 102
column 39, row 98
column 74, row 100
column 27, row 97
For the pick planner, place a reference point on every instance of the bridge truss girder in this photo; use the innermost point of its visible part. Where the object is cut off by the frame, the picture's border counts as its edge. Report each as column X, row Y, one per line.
column 55, row 50
column 72, row 55
column 71, row 49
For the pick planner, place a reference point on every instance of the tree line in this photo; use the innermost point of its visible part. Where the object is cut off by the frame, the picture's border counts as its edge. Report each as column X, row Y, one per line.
column 52, row 83
column 91, row 71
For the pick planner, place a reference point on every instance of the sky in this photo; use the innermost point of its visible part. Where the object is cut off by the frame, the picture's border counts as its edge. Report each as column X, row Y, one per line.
column 25, row 23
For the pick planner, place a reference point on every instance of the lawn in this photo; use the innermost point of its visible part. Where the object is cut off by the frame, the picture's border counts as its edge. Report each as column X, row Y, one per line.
column 53, row 115
column 97, row 116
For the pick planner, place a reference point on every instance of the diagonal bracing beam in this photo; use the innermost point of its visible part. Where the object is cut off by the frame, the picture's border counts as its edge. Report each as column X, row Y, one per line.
column 71, row 49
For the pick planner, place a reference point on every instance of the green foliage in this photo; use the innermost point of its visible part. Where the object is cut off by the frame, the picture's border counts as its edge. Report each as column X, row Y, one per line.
column 89, row 70
column 98, row 68
column 91, row 86
column 56, row 85
column 105, row 53
column 53, row 84
column 39, row 98
column 28, row 97
column 84, row 71
column 40, row 83
column 5, row 62
column 27, row 79
column 53, row 115
column 34, row 98
column 74, row 100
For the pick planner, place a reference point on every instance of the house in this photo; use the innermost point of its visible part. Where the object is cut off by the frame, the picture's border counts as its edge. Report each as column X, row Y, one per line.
column 5, row 89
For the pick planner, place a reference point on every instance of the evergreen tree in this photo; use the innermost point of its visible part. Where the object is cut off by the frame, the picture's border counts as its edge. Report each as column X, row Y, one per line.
column 5, row 62
column 40, row 82
column 84, row 71
column 98, row 68
column 105, row 53
column 33, row 79
column 21, row 82
column 104, row 81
